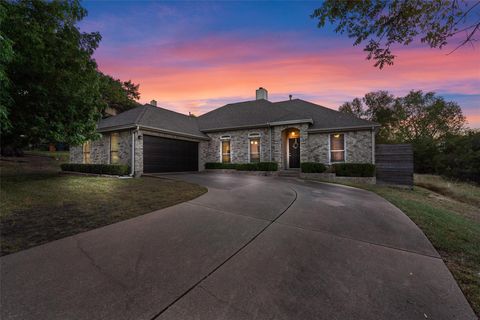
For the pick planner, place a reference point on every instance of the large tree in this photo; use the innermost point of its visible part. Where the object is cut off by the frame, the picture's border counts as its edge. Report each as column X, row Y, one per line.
column 376, row 106
column 384, row 23
column 117, row 94
column 54, row 83
column 423, row 119
column 6, row 55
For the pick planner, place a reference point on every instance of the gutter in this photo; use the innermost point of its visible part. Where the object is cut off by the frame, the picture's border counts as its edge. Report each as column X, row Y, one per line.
column 138, row 127
column 260, row 125
column 365, row 127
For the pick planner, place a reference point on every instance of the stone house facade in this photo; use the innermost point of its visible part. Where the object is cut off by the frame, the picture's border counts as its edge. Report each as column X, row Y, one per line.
column 289, row 133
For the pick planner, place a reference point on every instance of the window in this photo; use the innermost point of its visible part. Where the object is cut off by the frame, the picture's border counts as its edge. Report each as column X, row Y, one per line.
column 86, row 152
column 254, row 149
column 114, row 147
column 337, row 147
column 226, row 155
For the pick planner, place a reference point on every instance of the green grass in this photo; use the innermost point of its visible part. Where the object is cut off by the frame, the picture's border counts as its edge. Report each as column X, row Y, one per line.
column 39, row 204
column 451, row 225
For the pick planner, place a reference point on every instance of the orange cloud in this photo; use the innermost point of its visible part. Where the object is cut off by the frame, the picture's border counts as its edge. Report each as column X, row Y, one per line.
column 201, row 75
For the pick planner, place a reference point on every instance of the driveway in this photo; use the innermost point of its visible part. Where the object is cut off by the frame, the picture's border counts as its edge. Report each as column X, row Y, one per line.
column 251, row 248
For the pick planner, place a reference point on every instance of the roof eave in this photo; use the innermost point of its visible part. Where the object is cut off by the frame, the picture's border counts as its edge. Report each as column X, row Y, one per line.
column 287, row 122
column 349, row 128
column 142, row 127
column 253, row 126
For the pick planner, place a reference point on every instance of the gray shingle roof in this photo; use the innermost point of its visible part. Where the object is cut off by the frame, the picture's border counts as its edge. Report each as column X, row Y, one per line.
column 263, row 112
column 149, row 116
column 256, row 113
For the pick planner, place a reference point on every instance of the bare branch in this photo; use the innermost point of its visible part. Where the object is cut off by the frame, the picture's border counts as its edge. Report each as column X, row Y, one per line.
column 467, row 40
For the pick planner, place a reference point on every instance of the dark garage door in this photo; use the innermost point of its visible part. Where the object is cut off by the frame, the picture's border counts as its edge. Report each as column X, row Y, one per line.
column 169, row 155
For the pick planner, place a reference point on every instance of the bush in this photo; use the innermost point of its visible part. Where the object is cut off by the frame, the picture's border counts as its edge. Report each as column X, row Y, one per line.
column 218, row 165
column 313, row 167
column 354, row 169
column 459, row 157
column 259, row 166
column 267, row 166
column 113, row 169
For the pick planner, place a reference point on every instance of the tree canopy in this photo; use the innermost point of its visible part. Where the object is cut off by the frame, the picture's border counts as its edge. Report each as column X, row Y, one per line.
column 117, row 94
column 423, row 119
column 51, row 90
column 384, row 23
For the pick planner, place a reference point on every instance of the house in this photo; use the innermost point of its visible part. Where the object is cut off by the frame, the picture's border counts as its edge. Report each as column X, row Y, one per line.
column 289, row 132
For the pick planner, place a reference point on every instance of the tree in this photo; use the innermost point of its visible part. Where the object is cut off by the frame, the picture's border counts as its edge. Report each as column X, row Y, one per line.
column 54, row 83
column 118, row 95
column 384, row 23
column 459, row 156
column 6, row 55
column 376, row 106
column 422, row 119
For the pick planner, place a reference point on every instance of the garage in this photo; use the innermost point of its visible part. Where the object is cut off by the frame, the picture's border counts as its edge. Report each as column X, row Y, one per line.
column 169, row 155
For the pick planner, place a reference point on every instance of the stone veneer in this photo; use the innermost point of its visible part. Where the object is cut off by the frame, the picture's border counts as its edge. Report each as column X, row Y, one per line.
column 100, row 149
column 239, row 140
column 313, row 146
column 358, row 145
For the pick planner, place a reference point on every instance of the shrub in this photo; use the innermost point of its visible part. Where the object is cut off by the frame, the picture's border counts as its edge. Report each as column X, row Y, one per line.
column 259, row 166
column 354, row 169
column 218, row 165
column 113, row 169
column 267, row 166
column 313, row 167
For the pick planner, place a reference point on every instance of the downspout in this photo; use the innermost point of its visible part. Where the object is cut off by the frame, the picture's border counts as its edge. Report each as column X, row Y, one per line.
column 271, row 143
column 373, row 145
column 132, row 170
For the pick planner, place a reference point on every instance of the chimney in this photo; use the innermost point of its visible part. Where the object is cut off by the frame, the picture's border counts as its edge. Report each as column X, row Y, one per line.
column 290, row 96
column 153, row 103
column 261, row 93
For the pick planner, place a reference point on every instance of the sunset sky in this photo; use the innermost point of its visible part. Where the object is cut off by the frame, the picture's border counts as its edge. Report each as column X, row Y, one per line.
column 196, row 56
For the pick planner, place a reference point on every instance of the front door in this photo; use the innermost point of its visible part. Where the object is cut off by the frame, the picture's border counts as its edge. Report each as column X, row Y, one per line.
column 294, row 153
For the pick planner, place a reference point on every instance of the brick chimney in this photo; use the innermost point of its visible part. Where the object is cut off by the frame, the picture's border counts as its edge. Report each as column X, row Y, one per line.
column 261, row 93
column 153, row 103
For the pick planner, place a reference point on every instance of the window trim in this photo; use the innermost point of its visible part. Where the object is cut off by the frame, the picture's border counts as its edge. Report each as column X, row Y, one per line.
column 250, row 139
column 86, row 146
column 118, row 147
column 222, row 140
column 330, row 148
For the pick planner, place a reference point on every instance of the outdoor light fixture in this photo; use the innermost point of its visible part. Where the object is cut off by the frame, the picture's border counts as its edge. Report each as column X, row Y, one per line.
column 336, row 135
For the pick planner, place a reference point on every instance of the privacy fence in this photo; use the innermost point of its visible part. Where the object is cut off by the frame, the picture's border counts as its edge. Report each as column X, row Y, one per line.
column 394, row 164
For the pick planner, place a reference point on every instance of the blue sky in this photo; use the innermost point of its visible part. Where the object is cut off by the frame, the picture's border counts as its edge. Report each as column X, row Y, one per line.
column 196, row 56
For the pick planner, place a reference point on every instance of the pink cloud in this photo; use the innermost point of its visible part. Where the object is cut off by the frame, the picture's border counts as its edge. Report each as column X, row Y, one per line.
column 186, row 76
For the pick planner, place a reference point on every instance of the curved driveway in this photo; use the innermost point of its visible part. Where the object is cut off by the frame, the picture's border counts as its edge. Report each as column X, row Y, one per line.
column 251, row 248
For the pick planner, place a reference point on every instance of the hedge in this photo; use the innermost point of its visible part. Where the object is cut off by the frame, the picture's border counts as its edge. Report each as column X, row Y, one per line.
column 313, row 167
column 259, row 166
column 354, row 169
column 218, row 165
column 113, row 169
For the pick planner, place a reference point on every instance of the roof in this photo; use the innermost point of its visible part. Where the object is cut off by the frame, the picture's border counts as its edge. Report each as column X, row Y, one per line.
column 151, row 117
column 248, row 114
column 264, row 113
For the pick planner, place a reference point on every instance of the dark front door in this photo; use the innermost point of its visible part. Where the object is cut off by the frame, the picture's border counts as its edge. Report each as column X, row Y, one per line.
column 294, row 153
column 169, row 155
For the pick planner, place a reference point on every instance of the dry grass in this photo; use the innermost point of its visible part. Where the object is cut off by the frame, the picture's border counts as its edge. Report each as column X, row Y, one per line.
column 39, row 204
column 461, row 191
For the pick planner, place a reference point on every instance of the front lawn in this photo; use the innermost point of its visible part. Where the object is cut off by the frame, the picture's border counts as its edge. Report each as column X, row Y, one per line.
column 450, row 220
column 39, row 204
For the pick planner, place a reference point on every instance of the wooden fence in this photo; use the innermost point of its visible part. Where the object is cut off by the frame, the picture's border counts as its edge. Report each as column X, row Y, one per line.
column 394, row 164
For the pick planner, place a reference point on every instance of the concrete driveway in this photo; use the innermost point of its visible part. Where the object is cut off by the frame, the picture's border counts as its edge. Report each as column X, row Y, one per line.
column 250, row 248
